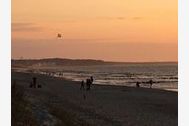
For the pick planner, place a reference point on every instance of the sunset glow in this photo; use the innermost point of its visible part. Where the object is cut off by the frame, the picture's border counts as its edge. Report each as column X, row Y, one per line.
column 113, row 30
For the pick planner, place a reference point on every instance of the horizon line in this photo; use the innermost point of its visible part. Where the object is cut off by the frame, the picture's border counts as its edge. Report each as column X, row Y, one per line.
column 166, row 61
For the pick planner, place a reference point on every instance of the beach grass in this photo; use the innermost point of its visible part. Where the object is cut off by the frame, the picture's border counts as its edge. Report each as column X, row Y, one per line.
column 21, row 113
column 65, row 118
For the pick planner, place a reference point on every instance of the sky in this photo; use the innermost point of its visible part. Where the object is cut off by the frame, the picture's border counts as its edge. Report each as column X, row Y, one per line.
column 111, row 30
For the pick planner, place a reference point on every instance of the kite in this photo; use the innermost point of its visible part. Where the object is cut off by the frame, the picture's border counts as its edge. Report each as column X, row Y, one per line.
column 59, row 35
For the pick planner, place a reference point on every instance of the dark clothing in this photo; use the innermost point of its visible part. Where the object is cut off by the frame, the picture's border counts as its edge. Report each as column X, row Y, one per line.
column 92, row 79
column 88, row 83
column 34, row 82
column 82, row 85
column 151, row 82
column 137, row 84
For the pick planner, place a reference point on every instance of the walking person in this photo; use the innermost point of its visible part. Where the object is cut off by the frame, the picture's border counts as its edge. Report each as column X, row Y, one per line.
column 91, row 81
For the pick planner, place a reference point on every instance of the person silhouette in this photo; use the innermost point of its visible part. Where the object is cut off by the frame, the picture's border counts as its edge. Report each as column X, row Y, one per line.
column 82, row 85
column 34, row 82
column 137, row 84
column 151, row 83
column 88, row 83
column 91, row 79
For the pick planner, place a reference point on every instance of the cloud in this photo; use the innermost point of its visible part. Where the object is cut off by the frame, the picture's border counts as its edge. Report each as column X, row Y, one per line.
column 112, row 18
column 121, row 18
column 137, row 18
column 24, row 27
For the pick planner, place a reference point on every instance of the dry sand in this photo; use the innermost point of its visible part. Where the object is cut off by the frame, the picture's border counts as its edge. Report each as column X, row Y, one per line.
column 103, row 106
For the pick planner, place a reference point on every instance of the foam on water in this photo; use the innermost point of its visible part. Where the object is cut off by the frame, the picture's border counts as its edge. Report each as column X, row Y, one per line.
column 164, row 74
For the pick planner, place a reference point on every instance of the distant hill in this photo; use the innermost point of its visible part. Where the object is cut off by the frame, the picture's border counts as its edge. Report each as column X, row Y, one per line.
column 52, row 62
column 56, row 62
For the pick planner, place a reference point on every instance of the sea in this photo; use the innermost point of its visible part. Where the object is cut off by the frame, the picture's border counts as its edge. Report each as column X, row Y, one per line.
column 163, row 75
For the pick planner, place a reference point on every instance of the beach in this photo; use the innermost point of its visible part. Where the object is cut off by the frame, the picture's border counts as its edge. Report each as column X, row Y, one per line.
column 61, row 102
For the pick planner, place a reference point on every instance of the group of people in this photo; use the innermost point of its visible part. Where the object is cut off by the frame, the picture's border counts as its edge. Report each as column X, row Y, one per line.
column 34, row 84
column 149, row 82
column 89, row 82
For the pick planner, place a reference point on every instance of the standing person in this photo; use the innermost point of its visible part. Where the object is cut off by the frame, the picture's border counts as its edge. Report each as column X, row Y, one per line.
column 82, row 85
column 88, row 83
column 137, row 84
column 91, row 79
column 34, row 82
column 151, row 82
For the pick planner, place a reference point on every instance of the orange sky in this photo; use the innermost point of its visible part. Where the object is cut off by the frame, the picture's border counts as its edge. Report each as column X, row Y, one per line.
column 114, row 30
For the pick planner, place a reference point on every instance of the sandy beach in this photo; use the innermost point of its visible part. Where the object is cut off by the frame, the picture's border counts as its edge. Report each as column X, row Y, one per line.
column 102, row 105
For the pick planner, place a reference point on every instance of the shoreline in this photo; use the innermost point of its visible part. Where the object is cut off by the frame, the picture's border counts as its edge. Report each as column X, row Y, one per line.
column 104, row 104
column 121, row 85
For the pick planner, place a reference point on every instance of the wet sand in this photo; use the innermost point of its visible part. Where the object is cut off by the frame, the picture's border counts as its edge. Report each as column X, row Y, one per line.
column 102, row 106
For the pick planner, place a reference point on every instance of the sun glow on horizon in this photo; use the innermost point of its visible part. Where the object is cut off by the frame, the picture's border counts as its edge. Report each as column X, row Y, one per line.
column 112, row 30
